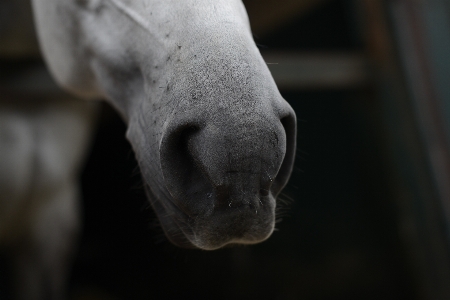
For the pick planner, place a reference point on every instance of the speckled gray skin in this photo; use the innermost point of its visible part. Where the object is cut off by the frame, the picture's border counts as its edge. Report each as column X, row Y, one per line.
column 214, row 139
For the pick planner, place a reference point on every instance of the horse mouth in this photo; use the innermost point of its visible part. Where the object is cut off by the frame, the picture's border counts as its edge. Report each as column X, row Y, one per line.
column 244, row 225
column 170, row 222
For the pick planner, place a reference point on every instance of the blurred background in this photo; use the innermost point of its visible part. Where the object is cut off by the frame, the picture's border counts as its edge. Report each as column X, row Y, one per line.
column 366, row 213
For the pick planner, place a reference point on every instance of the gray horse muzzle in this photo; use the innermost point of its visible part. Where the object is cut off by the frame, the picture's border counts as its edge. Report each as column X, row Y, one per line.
column 224, row 173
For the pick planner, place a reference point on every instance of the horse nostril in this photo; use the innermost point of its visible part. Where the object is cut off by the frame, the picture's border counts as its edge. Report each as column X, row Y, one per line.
column 264, row 192
column 183, row 175
column 289, row 123
column 207, row 167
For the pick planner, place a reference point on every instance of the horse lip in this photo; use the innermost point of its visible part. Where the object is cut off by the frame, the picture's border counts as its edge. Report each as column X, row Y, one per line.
column 197, row 241
column 169, row 224
column 179, row 226
column 175, row 231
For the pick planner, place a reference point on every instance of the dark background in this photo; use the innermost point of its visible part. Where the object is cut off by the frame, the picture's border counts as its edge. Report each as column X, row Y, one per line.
column 339, row 238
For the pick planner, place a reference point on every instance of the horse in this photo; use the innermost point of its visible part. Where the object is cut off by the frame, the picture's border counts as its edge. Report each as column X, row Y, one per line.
column 213, row 138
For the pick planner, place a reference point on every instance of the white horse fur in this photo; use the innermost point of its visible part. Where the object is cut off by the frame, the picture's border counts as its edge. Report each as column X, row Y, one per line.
column 213, row 137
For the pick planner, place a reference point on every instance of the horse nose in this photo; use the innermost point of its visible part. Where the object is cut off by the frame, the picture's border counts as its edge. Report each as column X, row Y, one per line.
column 227, row 162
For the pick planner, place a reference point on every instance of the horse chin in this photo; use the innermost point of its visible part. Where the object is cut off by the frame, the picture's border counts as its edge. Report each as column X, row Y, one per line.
column 215, row 243
column 211, row 239
column 231, row 228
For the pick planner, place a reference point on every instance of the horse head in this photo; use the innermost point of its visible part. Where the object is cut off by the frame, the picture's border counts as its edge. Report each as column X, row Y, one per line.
column 214, row 139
